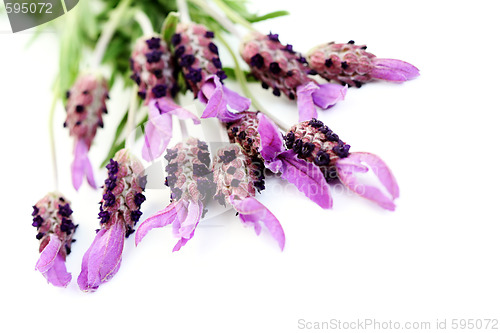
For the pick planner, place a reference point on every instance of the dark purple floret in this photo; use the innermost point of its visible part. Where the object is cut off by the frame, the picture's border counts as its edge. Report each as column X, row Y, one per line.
column 142, row 181
column 171, row 168
column 110, row 182
column 109, row 199
column 289, row 48
column 302, row 60
column 231, row 170
column 221, row 74
column 206, row 187
column 35, row 211
column 307, row 149
column 176, row 39
column 341, row 150
column 350, row 42
column 202, row 145
column 316, row 123
column 129, row 231
column 65, row 210
column 179, row 51
column 80, row 108
column 139, row 198
column 209, row 34
column 153, row 56
column 265, row 85
column 170, row 180
column 187, row 60
column 344, row 65
column 274, row 67
column 171, row 154
column 322, row 158
column 242, row 135
column 176, row 193
column 153, row 43
column 217, row 63
column 273, row 37
column 200, row 170
column 141, row 94
column 37, row 221
column 158, row 73
column 297, row 146
column 204, row 157
column 212, row 47
column 289, row 140
column 104, row 216
column 228, row 156
column 160, row 90
column 276, row 92
column 235, row 183
column 257, row 61
column 194, row 75
column 135, row 215
column 330, row 136
column 39, row 235
column 328, row 63
column 112, row 167
column 259, row 185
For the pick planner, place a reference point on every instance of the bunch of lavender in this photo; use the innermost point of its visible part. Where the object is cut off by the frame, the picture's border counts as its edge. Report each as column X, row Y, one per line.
column 190, row 179
column 55, row 230
column 86, row 103
column 119, row 212
column 351, row 64
column 285, row 71
column 238, row 177
column 260, row 139
column 313, row 141
column 198, row 57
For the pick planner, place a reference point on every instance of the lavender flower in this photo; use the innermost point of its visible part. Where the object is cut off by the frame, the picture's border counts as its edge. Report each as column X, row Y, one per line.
column 55, row 229
column 260, row 139
column 237, row 176
column 350, row 64
column 191, row 183
column 119, row 212
column 285, row 71
column 85, row 106
column 315, row 142
column 198, row 57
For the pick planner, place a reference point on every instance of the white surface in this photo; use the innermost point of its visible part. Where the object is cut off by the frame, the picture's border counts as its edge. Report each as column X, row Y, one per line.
column 435, row 257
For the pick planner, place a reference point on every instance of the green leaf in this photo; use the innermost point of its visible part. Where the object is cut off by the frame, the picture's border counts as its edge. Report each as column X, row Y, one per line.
column 231, row 74
column 115, row 143
column 169, row 26
column 255, row 18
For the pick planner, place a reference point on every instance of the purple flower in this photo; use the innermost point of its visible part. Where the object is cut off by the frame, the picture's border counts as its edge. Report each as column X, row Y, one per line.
column 352, row 65
column 285, row 71
column 118, row 218
column 191, row 184
column 158, row 131
column 260, row 139
column 333, row 158
column 85, row 107
column 199, row 59
column 237, row 176
column 55, row 229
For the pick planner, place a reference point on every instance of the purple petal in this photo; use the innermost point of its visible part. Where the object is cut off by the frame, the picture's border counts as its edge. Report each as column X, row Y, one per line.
column 217, row 98
column 252, row 211
column 329, row 94
column 187, row 226
column 305, row 102
column 49, row 254
column 57, row 275
column 393, row 70
column 157, row 133
column 161, row 219
column 81, row 166
column 102, row 260
column 383, row 193
column 307, row 177
column 271, row 141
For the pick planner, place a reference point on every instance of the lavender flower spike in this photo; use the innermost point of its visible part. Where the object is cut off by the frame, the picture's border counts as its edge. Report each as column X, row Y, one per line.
column 261, row 140
column 285, row 71
column 198, row 57
column 85, row 107
column 119, row 212
column 352, row 65
column 52, row 218
column 315, row 142
column 235, row 175
column 191, row 183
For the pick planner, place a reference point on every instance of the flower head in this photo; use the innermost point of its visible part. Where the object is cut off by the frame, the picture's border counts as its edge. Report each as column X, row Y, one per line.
column 237, row 177
column 190, row 179
column 315, row 142
column 85, row 107
column 198, row 57
column 351, row 64
column 55, row 229
column 153, row 69
column 286, row 72
column 119, row 212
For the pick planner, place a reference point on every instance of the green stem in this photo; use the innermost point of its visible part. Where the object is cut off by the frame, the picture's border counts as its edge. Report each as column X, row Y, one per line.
column 52, row 141
column 108, row 31
column 222, row 20
column 242, row 80
column 129, row 136
column 233, row 15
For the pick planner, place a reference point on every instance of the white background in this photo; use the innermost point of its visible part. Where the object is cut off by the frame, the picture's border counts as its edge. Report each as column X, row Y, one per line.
column 435, row 257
